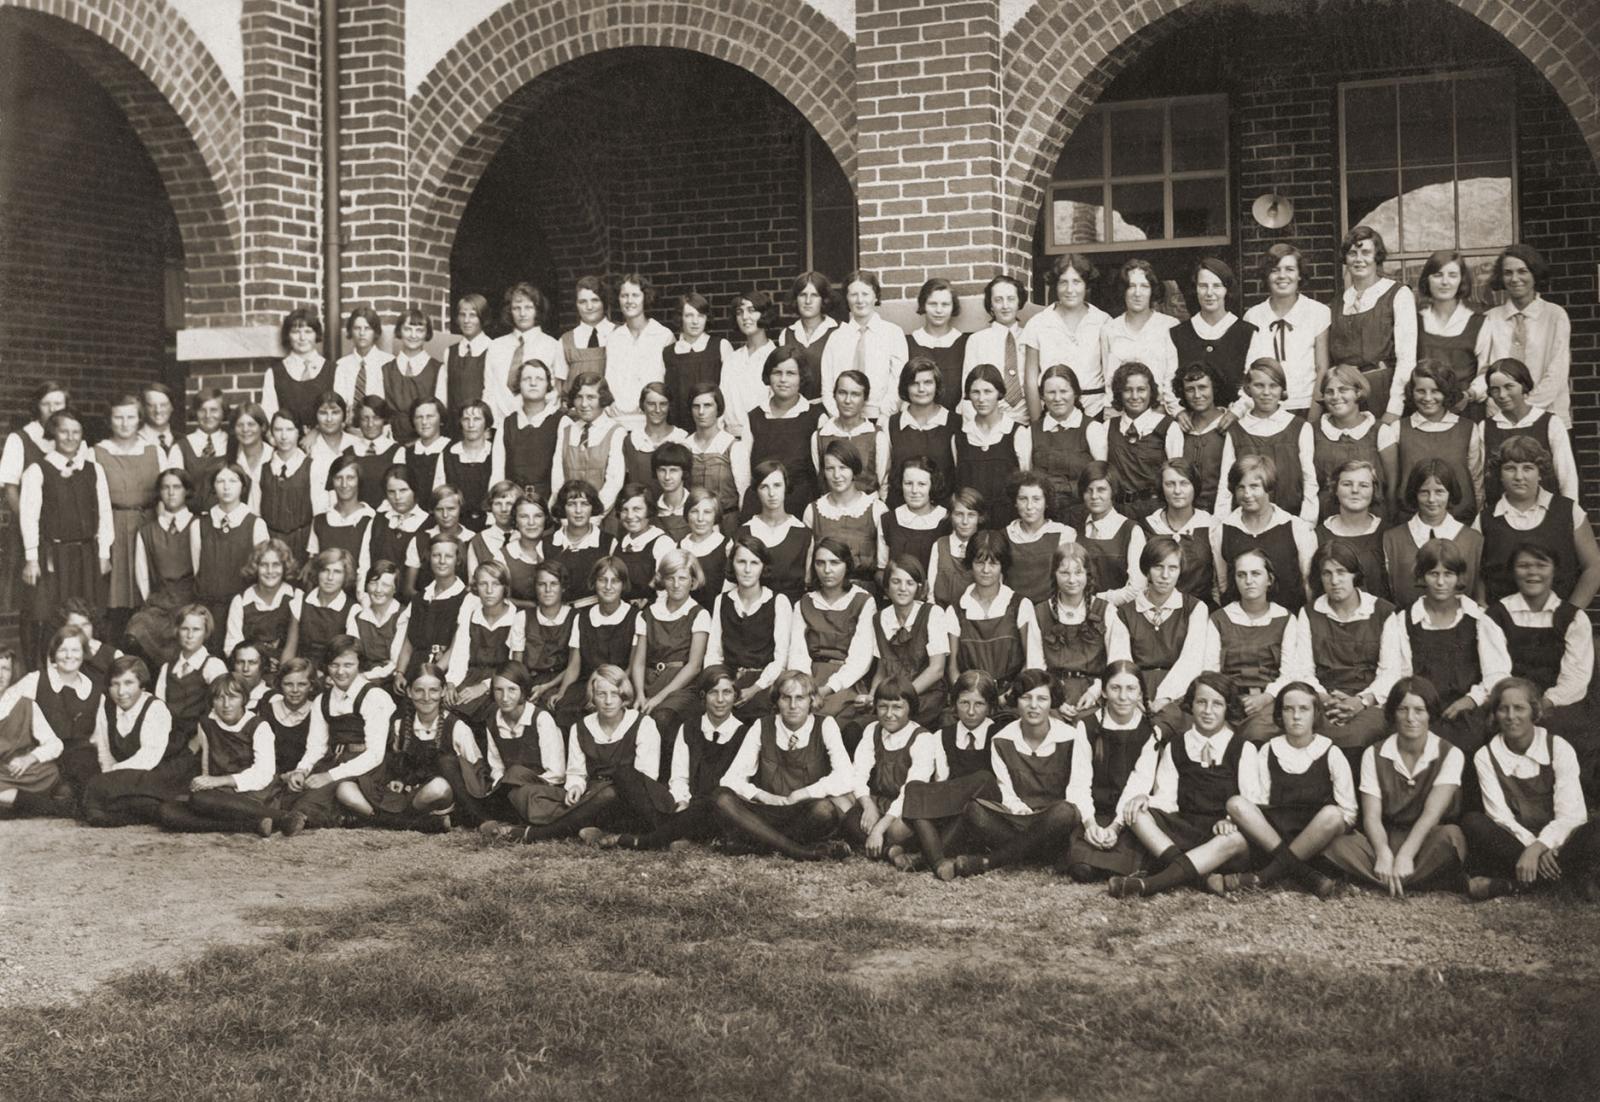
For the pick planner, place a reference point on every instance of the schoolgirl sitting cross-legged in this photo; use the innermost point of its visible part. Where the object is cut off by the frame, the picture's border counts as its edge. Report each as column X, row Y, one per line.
column 777, row 791
column 937, row 792
column 348, row 737
column 408, row 790
column 1176, row 800
column 1308, row 799
column 131, row 736
column 875, row 818
column 1045, row 771
column 1118, row 732
column 518, row 776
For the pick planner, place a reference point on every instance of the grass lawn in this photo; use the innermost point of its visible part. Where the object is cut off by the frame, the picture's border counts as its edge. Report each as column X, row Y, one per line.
column 556, row 972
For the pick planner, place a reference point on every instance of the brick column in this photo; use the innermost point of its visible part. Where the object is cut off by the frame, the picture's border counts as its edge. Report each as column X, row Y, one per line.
column 372, row 154
column 928, row 112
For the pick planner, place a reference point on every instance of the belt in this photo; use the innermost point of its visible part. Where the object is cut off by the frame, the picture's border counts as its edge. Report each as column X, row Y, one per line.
column 1096, row 390
column 660, row 666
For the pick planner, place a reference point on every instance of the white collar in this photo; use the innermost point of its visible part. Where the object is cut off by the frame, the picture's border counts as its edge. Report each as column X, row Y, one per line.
column 721, row 733
column 763, row 595
column 1365, row 605
column 699, row 344
column 234, row 517
column 823, row 328
column 940, row 418
column 1359, row 431
column 1538, row 750
column 975, row 609
column 1208, row 332
column 83, row 690
column 839, row 603
column 1432, row 747
column 69, row 466
column 660, row 612
column 1049, row 423
column 1447, row 528
column 475, row 346
column 1540, row 505
column 1466, row 606
column 928, row 340
column 1060, row 732
column 432, row 592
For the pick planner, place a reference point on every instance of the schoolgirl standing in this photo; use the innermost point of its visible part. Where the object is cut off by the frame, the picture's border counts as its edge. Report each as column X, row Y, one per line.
column 1355, row 647
column 66, row 521
column 1205, row 421
column 1526, row 513
column 1306, row 800
column 23, row 448
column 158, row 409
column 518, row 776
column 602, row 635
column 1258, row 644
column 778, row 791
column 1184, row 521
column 831, row 639
column 1530, row 328
column 750, row 628
column 1139, row 435
column 380, row 623
column 525, row 446
column 1044, row 768
column 1118, row 732
column 1511, row 414
column 1255, row 522
column 422, row 455
column 1114, row 542
column 163, row 569
column 1270, row 430
column 525, row 310
column 780, row 431
column 948, row 577
column 342, row 527
column 910, row 640
column 1214, row 337
column 469, row 464
column 413, row 374
column 48, row 748
column 589, row 444
column 868, row 343
column 916, row 525
column 434, row 610
column 1450, row 332
column 220, row 543
column 937, row 791
column 408, row 791
column 288, row 503
column 786, row 539
column 579, row 542
column 812, row 298
column 1140, row 334
column 640, row 445
column 991, row 446
column 850, row 515
column 248, row 446
column 692, row 360
column 583, row 347
column 1375, row 326
column 1292, row 329
column 359, row 371
column 1033, row 536
column 1358, row 524
column 719, row 461
column 1430, row 430
column 992, row 625
column 1068, row 333
column 236, row 758
column 204, row 451
column 1000, row 344
column 752, row 313
column 888, row 750
column 268, row 612
column 706, row 543
column 325, row 609
column 1345, row 432
column 490, row 632
column 1410, row 793
column 130, row 738
column 937, row 339
column 1064, row 439
column 1176, row 798
column 1428, row 495
column 396, row 528
column 921, row 431
column 294, row 384
column 1074, row 633
column 132, row 467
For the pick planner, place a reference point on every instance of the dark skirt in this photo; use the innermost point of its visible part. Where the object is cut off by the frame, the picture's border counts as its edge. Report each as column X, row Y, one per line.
column 1186, row 831
column 942, row 799
column 1122, row 859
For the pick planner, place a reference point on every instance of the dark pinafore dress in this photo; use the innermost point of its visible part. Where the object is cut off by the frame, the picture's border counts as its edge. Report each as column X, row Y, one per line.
column 547, row 646
column 72, row 718
column 1204, row 451
column 1403, row 800
column 987, row 469
column 787, row 440
column 487, row 650
column 1278, row 545
column 993, row 645
column 402, row 391
column 1116, row 752
column 1226, row 354
column 915, row 542
column 463, row 383
column 350, row 537
column 1155, row 650
column 1040, row 781
column 289, row 741
column 286, row 504
column 531, row 453
column 786, row 572
column 859, row 533
column 17, row 737
column 1327, row 456
column 1367, row 341
column 1109, row 557
column 580, row 360
column 171, row 564
column 1554, row 533
column 605, row 759
column 1252, row 655
column 809, row 357
column 1295, row 798
column 667, row 648
column 202, row 469
column 1452, row 446
column 188, row 699
column 388, row 542
column 220, row 578
column 709, row 760
column 713, row 471
column 1369, row 553
column 951, row 361
column 1030, row 573
column 781, row 771
column 578, row 562
column 1346, row 657
column 522, row 784
column 432, row 627
column 749, row 643
column 904, row 654
column 953, row 578
column 522, row 574
column 586, row 462
column 714, row 565
column 1060, row 456
column 889, row 768
column 424, row 469
column 828, row 635
column 1136, row 466
column 1283, row 448
column 471, row 477
column 684, row 372
column 1536, row 653
column 299, row 397
column 599, row 645
column 865, row 448
column 1531, row 800
column 167, row 781
column 1449, row 659
column 639, row 585
column 1493, row 437
column 1203, row 793
column 1459, row 353
column 933, row 444
column 409, row 762
column 69, row 551
column 319, row 626
column 347, row 734
column 268, row 628
column 377, row 641
column 970, row 779
column 371, row 463
column 1074, row 654
column 1197, row 570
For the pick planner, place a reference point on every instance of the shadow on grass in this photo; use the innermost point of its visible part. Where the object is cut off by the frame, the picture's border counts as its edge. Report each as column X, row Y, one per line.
column 583, row 979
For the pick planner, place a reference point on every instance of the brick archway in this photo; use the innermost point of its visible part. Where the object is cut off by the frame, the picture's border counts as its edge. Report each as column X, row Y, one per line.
column 483, row 88
column 1063, row 53
column 158, row 72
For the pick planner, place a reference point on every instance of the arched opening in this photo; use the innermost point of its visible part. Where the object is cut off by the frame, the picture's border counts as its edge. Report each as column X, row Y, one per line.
column 92, row 261
column 671, row 162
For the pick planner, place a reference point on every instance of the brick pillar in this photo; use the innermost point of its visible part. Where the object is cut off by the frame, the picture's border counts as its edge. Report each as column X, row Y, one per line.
column 372, row 154
column 928, row 112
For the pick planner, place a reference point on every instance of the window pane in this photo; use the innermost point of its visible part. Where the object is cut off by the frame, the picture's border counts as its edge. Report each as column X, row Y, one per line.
column 1077, row 217
column 1199, row 136
column 1136, row 141
column 1369, row 137
column 1484, row 110
column 1486, row 214
column 1084, row 156
column 1200, row 208
column 1427, row 210
column 1372, row 201
column 1137, row 212
column 1425, row 130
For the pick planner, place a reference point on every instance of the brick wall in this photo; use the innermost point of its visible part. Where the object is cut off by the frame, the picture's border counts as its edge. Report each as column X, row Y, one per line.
column 372, row 154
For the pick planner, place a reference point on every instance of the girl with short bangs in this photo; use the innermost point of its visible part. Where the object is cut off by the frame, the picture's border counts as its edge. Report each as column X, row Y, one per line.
column 515, row 781
column 1432, row 430
column 268, row 612
column 993, row 626
column 602, row 635
column 489, row 633
column 910, row 642
column 669, row 645
column 408, row 790
column 579, row 542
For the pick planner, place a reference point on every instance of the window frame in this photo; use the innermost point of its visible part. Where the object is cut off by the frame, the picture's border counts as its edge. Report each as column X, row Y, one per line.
column 1397, row 255
column 1107, row 179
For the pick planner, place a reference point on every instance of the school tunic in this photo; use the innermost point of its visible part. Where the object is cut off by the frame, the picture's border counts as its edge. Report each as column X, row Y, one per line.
column 1031, row 781
column 987, row 468
column 289, row 740
column 1074, row 654
column 1536, row 652
column 203, row 468
column 349, row 537
column 471, row 477
column 908, row 437
column 1252, row 654
column 1226, row 350
column 1453, row 447
column 587, row 462
column 402, row 390
column 638, row 455
column 170, row 566
column 967, row 775
column 433, row 623
column 1366, row 339
column 951, row 578
column 1203, row 450
column 524, row 762
column 781, row 771
column 786, row 439
column 1135, row 450
column 389, row 540
column 1115, row 751
column 993, row 644
column 547, row 645
column 299, row 397
column 1109, row 555
column 1283, row 448
column 1402, row 542
column 230, row 752
column 903, row 537
column 829, row 632
column 668, row 641
column 706, row 758
column 1203, row 791
column 807, row 353
column 1368, row 550
column 1157, row 648
column 1448, row 657
column 1495, row 435
column 131, row 484
column 587, row 355
column 530, row 452
column 1294, row 799
column 949, row 357
column 1279, row 546
column 411, row 761
column 1554, row 532
column 225, row 547
column 578, row 559
column 266, row 627
column 70, row 531
column 1347, row 652
column 1333, row 447
column 1060, row 453
column 373, row 458
column 686, row 369
column 904, row 650
column 855, row 526
column 1457, row 352
column 1197, row 569
column 423, row 463
column 713, row 470
column 786, row 572
column 286, row 501
column 1031, row 556
column 71, row 717
column 607, row 644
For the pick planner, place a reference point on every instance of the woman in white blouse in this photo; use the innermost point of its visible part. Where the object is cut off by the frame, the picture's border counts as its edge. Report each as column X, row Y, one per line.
column 1140, row 334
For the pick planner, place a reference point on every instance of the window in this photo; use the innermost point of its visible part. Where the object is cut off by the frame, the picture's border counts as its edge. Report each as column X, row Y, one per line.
column 1430, row 163
column 1148, row 171
column 830, row 211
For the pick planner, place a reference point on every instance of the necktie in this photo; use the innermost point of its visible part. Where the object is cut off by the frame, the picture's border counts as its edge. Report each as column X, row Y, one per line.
column 1206, row 758
column 210, row 450
column 512, row 376
column 224, row 525
column 583, row 435
column 1013, row 379
column 594, row 339
column 1519, row 336
column 166, row 442
column 372, row 447
column 1280, row 340
column 860, row 361
column 283, row 471
column 360, row 391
